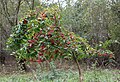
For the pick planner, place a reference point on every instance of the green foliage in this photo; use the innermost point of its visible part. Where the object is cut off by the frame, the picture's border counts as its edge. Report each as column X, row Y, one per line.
column 115, row 23
column 40, row 37
column 96, row 20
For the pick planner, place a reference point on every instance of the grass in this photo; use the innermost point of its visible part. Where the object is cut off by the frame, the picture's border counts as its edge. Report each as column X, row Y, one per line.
column 102, row 76
column 96, row 75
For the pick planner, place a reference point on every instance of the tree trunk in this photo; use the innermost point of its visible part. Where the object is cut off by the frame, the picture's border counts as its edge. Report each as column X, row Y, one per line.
column 22, row 65
column 79, row 68
column 33, row 2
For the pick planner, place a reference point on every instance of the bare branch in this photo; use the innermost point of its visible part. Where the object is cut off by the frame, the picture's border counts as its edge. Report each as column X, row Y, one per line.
column 5, row 9
column 33, row 2
column 17, row 11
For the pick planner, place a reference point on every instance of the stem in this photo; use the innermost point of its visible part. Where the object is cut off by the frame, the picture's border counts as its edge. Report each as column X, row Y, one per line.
column 79, row 68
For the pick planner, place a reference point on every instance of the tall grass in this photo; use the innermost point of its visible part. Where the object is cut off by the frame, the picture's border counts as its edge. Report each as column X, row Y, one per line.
column 96, row 75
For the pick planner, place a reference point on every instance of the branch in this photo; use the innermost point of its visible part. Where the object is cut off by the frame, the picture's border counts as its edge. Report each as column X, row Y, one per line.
column 33, row 2
column 3, row 14
column 5, row 9
column 79, row 67
column 17, row 11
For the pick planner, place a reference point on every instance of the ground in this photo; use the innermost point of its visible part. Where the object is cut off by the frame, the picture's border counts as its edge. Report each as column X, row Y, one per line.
column 59, row 75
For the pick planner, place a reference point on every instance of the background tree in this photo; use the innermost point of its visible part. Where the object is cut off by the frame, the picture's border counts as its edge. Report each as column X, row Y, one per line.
column 95, row 20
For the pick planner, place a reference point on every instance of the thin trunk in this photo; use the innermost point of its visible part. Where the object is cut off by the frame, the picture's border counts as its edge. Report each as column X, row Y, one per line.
column 17, row 12
column 79, row 68
column 33, row 4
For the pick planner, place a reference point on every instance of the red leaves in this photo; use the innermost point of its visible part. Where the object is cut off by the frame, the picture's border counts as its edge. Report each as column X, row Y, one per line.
column 50, row 32
column 39, row 60
column 105, row 55
column 40, row 54
column 36, row 36
column 25, row 21
column 56, row 51
column 31, row 60
column 43, row 15
column 52, row 42
column 68, row 42
column 110, row 55
column 31, row 41
column 42, row 47
column 62, row 35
